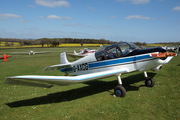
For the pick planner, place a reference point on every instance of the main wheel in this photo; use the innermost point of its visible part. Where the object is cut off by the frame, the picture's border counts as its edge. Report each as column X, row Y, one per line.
column 120, row 91
column 149, row 82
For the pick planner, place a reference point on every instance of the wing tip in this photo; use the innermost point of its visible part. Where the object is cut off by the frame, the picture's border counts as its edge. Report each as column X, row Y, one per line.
column 10, row 80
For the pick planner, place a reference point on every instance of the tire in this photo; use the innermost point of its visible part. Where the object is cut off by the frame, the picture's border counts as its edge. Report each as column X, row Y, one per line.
column 149, row 82
column 120, row 91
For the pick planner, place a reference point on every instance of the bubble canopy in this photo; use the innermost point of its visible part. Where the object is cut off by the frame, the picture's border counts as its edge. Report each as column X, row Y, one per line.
column 115, row 51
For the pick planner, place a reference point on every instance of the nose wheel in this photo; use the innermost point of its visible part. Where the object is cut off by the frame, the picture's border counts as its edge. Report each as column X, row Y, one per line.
column 149, row 82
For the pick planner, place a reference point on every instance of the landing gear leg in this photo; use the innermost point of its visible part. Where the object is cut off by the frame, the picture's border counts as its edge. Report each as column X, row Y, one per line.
column 119, row 90
column 149, row 82
column 66, row 74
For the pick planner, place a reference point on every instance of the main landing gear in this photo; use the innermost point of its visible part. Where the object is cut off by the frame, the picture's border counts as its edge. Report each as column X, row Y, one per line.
column 120, row 91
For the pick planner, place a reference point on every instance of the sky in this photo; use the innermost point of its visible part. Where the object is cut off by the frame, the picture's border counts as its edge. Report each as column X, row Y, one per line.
column 150, row 21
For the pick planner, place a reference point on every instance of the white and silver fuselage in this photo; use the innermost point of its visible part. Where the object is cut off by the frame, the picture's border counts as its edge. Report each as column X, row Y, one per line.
column 89, row 64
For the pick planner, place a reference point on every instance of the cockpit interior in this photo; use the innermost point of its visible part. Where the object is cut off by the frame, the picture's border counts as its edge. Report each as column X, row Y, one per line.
column 115, row 51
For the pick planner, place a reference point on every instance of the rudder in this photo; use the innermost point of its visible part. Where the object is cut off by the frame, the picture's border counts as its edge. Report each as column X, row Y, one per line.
column 63, row 58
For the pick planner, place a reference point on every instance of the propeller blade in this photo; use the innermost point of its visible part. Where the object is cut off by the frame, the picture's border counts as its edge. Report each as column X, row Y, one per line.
column 165, row 54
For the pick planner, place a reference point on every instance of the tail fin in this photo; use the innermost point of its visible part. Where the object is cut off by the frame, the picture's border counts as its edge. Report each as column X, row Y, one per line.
column 63, row 58
column 75, row 52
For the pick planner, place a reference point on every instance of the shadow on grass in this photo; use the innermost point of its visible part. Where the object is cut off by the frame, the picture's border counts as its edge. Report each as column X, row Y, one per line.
column 178, row 65
column 93, row 88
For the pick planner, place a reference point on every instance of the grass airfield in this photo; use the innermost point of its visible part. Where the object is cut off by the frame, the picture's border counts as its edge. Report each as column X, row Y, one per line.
column 92, row 100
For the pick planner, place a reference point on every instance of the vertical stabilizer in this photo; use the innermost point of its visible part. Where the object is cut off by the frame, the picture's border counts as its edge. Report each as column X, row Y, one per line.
column 63, row 58
column 75, row 52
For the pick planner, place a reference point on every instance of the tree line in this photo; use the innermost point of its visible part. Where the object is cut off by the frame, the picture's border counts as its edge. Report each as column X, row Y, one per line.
column 55, row 42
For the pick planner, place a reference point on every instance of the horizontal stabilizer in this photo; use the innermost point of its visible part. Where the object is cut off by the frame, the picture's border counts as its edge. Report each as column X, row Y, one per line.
column 38, row 81
column 57, row 67
column 74, row 55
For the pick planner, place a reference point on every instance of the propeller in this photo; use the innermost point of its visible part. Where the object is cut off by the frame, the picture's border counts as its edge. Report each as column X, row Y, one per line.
column 164, row 54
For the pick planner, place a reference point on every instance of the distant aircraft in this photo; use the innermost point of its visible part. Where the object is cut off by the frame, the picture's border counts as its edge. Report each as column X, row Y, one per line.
column 83, row 53
column 170, row 48
column 112, row 60
column 5, row 57
column 142, row 47
column 30, row 53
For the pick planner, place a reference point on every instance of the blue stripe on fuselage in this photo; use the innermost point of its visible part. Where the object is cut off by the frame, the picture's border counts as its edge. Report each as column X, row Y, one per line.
column 118, row 61
column 143, row 57
column 112, row 62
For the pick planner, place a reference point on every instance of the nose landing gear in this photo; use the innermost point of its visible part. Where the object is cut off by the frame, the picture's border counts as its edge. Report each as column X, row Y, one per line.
column 149, row 82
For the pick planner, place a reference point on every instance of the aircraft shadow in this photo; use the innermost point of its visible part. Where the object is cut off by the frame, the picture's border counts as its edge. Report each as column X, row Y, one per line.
column 93, row 88
column 178, row 65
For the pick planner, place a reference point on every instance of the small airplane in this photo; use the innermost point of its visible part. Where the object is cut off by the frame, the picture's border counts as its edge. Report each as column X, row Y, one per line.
column 83, row 53
column 142, row 47
column 170, row 48
column 112, row 60
column 30, row 53
column 6, row 57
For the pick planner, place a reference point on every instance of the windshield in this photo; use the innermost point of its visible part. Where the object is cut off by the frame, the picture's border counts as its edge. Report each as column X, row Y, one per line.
column 100, row 54
column 111, row 52
column 115, row 51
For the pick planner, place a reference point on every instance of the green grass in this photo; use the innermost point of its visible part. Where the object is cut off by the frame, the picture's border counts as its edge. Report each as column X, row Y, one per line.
column 92, row 100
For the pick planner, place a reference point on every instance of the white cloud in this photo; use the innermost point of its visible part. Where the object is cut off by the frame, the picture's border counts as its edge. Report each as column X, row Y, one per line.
column 41, row 17
column 137, row 17
column 135, row 1
column 25, row 21
column 177, row 8
column 140, row 1
column 55, row 17
column 79, row 24
column 52, row 3
column 7, row 15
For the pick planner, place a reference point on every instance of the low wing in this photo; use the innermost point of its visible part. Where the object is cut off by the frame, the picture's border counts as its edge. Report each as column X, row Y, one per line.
column 49, row 81
column 9, row 56
column 42, row 52
column 20, row 53
column 6, row 57
column 57, row 67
